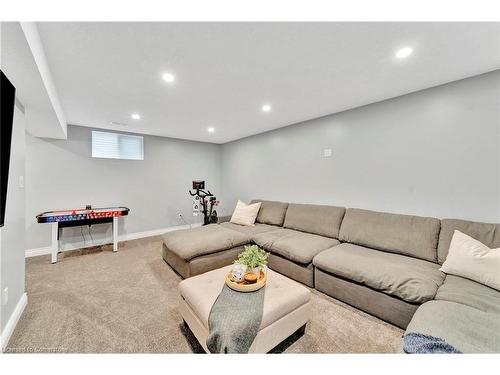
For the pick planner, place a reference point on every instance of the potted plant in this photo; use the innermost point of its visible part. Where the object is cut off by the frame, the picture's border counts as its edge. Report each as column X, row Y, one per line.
column 253, row 258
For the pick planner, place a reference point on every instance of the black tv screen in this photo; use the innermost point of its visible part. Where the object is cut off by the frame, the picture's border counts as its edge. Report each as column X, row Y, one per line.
column 7, row 100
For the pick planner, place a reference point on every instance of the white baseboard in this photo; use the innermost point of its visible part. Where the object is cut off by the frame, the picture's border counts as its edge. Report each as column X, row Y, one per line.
column 12, row 322
column 36, row 252
column 125, row 237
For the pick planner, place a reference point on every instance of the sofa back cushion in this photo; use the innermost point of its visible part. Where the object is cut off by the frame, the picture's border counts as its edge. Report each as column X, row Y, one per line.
column 271, row 212
column 414, row 236
column 488, row 234
column 316, row 219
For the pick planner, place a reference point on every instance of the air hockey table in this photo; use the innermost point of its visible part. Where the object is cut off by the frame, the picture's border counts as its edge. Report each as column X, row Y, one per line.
column 78, row 217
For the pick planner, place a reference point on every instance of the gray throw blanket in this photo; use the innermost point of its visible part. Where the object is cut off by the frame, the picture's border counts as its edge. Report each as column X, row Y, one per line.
column 234, row 320
column 418, row 343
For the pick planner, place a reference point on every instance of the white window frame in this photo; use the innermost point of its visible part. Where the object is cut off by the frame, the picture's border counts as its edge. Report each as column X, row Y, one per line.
column 117, row 153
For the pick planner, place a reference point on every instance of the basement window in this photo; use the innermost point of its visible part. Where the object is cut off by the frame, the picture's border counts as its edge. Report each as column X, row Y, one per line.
column 117, row 146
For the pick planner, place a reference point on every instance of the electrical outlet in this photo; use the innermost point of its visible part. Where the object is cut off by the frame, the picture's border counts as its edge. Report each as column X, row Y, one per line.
column 5, row 296
column 182, row 219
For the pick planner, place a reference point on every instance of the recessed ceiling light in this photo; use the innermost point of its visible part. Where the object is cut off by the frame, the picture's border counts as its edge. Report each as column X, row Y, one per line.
column 404, row 52
column 168, row 77
column 135, row 116
column 211, row 129
column 266, row 107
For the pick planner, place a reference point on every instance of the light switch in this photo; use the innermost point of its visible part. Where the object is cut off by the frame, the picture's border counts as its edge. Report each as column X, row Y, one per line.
column 327, row 152
column 21, row 182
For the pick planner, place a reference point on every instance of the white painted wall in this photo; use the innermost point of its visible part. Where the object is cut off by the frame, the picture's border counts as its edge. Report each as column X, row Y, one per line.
column 62, row 174
column 435, row 152
column 13, row 236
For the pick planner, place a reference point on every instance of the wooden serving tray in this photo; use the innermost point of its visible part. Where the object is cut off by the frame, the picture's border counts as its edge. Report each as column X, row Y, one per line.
column 244, row 286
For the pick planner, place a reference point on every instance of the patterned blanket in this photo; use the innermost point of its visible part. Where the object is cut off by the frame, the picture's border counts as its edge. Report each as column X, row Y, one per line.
column 418, row 343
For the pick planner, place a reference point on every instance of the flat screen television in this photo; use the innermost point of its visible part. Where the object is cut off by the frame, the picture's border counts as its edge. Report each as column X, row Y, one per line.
column 7, row 102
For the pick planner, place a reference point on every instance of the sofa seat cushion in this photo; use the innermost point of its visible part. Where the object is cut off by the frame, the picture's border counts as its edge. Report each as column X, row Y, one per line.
column 293, row 245
column 208, row 239
column 468, row 292
column 250, row 230
column 467, row 329
column 412, row 280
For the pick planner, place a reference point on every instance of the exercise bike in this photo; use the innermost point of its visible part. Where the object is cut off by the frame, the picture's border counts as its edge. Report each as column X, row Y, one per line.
column 207, row 201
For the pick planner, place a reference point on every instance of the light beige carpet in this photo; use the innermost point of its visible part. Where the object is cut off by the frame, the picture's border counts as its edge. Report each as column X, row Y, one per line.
column 104, row 302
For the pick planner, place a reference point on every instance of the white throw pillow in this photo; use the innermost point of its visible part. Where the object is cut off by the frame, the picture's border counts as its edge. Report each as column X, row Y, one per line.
column 245, row 214
column 473, row 260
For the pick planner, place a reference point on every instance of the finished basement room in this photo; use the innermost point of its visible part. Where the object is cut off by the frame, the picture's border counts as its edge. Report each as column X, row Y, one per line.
column 250, row 187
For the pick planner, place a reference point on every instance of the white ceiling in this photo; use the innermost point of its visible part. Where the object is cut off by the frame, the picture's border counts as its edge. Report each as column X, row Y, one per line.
column 19, row 65
column 226, row 71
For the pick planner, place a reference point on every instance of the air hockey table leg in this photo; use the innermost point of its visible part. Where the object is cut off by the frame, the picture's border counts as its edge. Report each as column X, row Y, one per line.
column 115, row 234
column 55, row 241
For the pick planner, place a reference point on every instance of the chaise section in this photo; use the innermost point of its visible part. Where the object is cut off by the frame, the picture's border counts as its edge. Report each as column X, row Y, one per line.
column 293, row 252
column 409, row 279
column 197, row 250
column 468, row 329
column 201, row 264
column 468, row 292
column 414, row 236
column 250, row 230
column 208, row 239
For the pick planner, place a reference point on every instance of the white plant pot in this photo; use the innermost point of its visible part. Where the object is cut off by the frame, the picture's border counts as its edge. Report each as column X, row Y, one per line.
column 255, row 271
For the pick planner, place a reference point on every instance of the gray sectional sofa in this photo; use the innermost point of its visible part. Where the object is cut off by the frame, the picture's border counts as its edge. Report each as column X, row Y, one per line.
column 385, row 264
